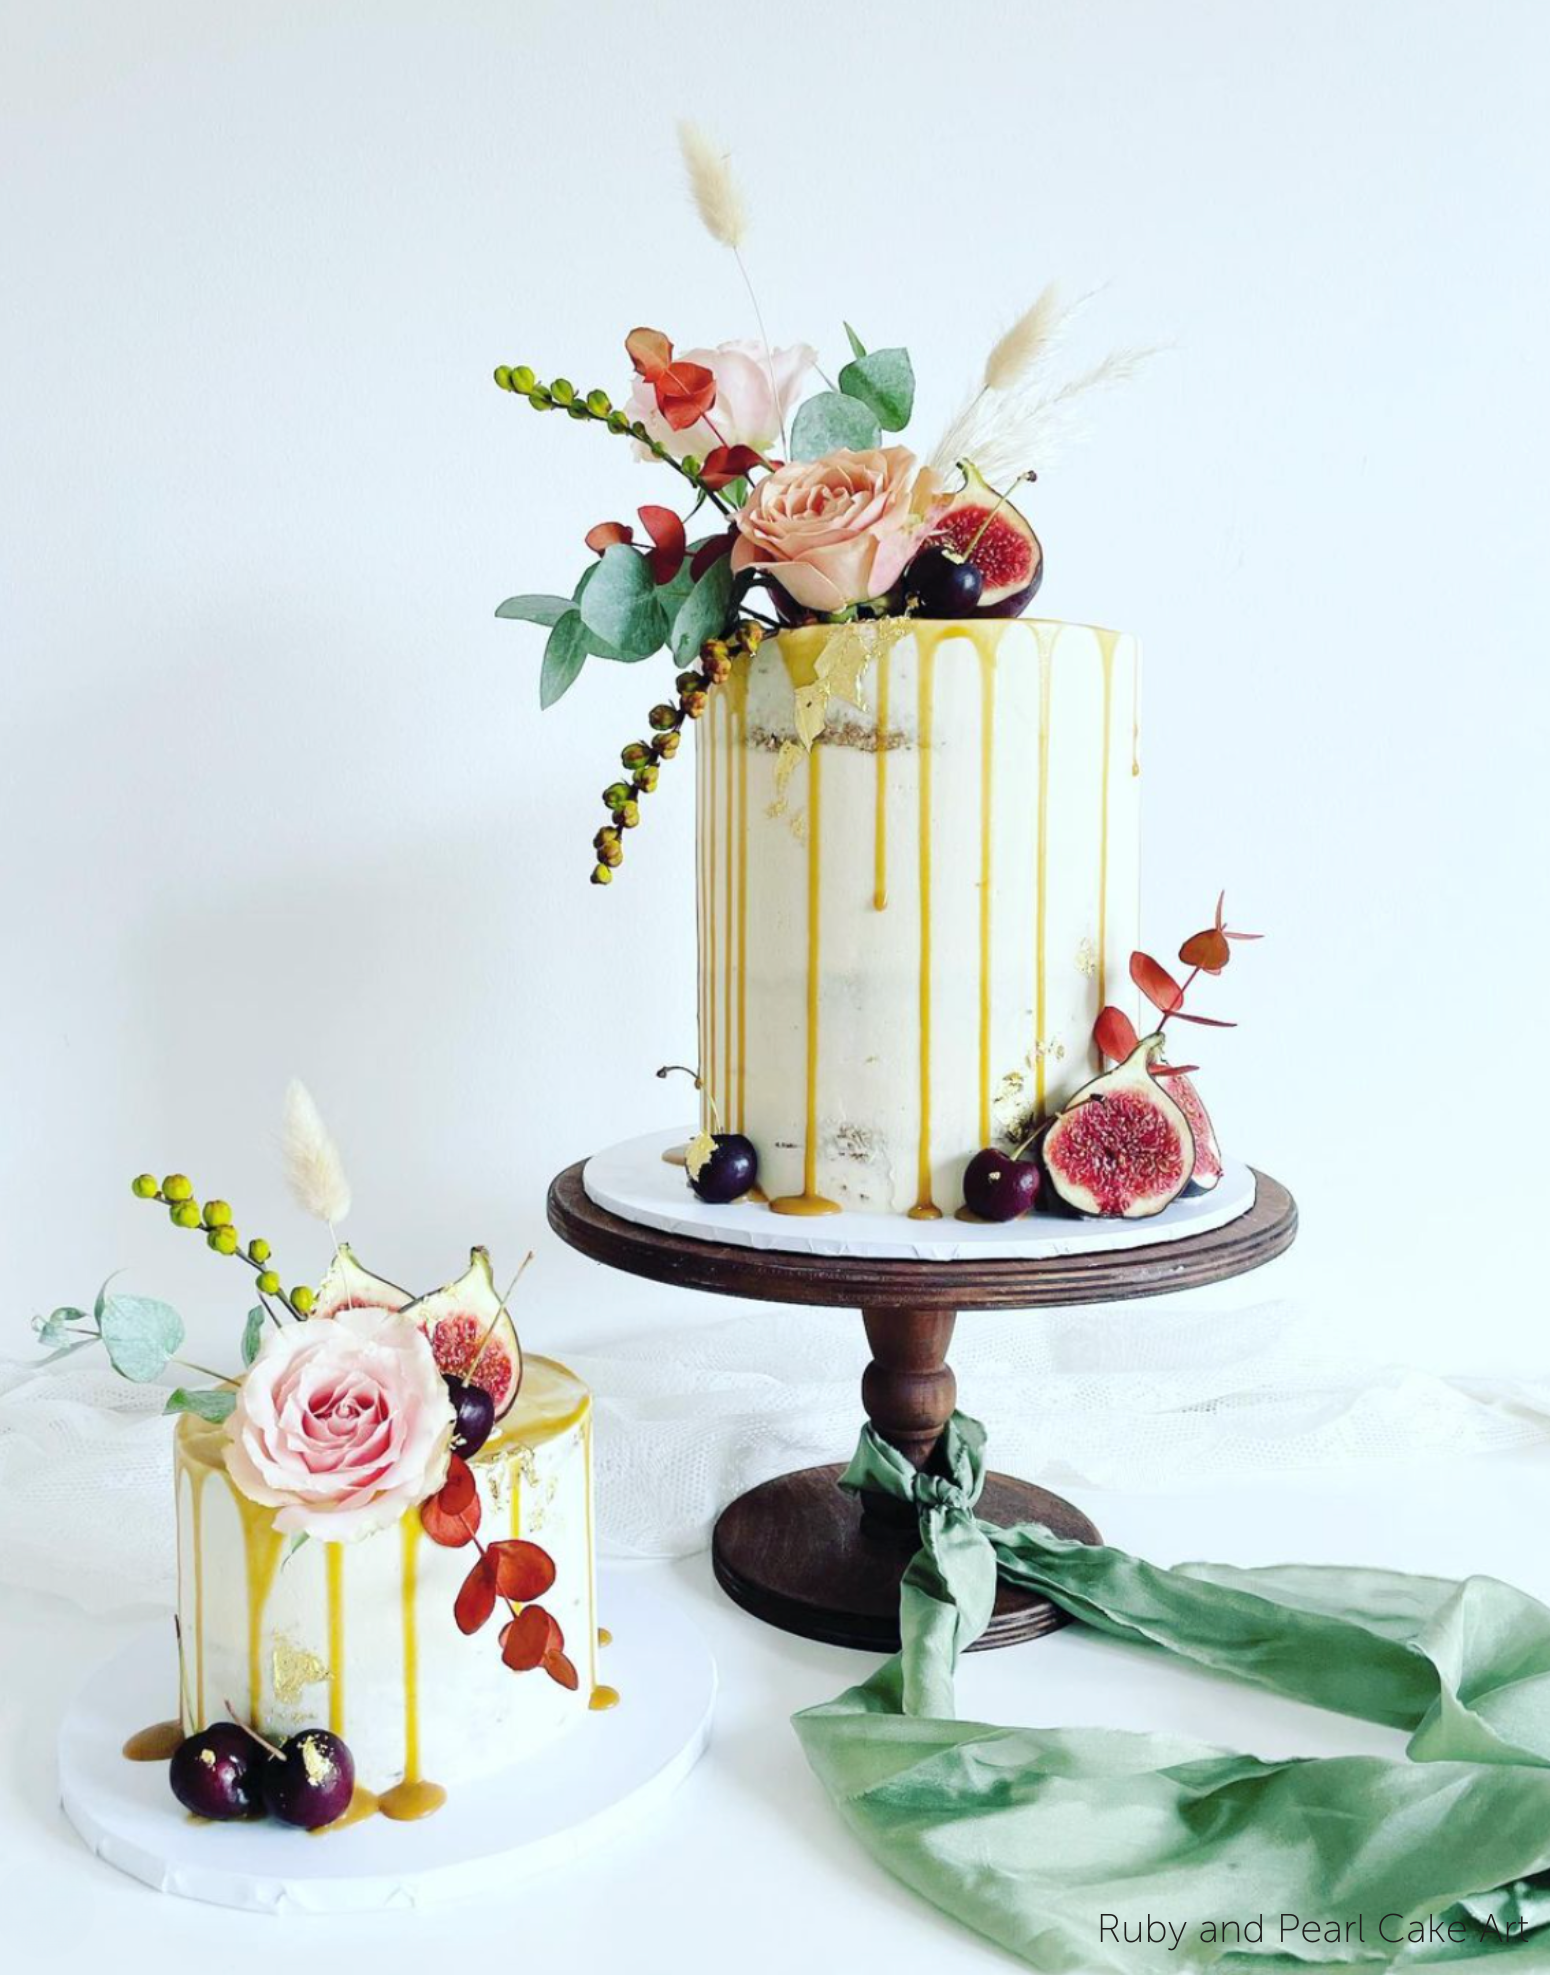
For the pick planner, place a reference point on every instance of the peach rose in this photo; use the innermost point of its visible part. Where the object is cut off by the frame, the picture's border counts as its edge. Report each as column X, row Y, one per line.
column 754, row 397
column 341, row 1425
column 837, row 530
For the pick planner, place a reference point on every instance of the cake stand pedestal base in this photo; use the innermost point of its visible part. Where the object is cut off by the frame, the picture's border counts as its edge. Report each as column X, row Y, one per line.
column 804, row 1554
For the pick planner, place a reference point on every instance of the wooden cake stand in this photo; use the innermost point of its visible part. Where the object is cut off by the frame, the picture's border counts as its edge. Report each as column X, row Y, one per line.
column 801, row 1553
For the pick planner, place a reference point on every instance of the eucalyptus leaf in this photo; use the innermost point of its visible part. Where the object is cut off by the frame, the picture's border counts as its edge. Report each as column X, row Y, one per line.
column 102, row 1297
column 704, row 611
column 212, row 1405
column 141, row 1334
column 857, row 347
column 619, row 604
column 534, row 610
column 67, row 1350
column 596, row 647
column 293, row 1546
column 564, row 655
column 885, row 383
column 832, row 420
column 253, row 1332
column 51, row 1329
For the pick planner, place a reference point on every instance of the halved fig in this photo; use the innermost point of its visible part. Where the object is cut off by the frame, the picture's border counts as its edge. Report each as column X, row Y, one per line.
column 1208, row 1154
column 471, row 1335
column 1122, row 1147
column 347, row 1286
column 982, row 527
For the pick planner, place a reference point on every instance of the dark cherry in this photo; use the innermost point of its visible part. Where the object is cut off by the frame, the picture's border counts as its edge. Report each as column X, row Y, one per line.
column 217, row 1773
column 310, row 1782
column 942, row 585
column 475, row 1409
column 729, row 1171
column 998, row 1187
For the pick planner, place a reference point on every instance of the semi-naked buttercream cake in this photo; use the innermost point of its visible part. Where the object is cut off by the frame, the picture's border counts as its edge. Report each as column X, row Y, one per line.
column 909, row 924
column 362, row 1635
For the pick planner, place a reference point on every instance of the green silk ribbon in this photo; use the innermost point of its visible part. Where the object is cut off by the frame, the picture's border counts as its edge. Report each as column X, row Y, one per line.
column 1040, row 1837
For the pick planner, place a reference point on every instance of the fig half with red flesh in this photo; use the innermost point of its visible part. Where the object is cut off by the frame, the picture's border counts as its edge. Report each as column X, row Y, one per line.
column 1122, row 1147
column 986, row 530
column 471, row 1335
column 347, row 1286
column 1208, row 1154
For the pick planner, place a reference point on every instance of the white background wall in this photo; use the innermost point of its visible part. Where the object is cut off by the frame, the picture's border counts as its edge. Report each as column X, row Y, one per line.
column 276, row 796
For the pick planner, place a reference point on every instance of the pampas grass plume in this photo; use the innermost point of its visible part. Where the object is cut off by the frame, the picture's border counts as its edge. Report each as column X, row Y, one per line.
column 314, row 1172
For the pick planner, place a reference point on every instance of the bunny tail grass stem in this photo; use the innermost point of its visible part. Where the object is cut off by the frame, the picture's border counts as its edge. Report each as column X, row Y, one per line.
column 489, row 1330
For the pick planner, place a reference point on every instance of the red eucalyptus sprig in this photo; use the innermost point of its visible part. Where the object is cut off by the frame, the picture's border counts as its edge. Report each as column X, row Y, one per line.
column 1205, row 952
column 512, row 1571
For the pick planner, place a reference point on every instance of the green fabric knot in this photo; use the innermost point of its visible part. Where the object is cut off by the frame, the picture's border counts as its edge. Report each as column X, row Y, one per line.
column 1039, row 1837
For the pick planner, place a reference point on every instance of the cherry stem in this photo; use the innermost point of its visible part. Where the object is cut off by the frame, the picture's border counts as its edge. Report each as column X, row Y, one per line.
column 248, row 1729
column 1038, row 1131
column 484, row 1342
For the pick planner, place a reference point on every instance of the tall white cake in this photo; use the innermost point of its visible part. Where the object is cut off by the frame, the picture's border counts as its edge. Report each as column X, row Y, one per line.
column 907, row 928
column 361, row 1635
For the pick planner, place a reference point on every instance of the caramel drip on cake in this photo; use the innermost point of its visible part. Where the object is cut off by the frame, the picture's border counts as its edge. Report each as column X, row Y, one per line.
column 333, row 1554
column 880, row 837
column 987, row 657
column 729, row 928
column 1041, row 881
column 1135, row 715
column 1106, row 643
column 363, row 1804
column 196, row 1523
column 262, row 1544
column 737, row 686
column 414, row 1797
column 925, row 1208
column 702, row 864
column 810, row 1200
column 602, row 1698
column 707, row 1063
column 158, row 1743
column 586, row 1458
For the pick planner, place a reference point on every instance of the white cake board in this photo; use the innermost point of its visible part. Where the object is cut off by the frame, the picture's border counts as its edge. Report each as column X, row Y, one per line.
column 635, row 1181
column 606, row 1774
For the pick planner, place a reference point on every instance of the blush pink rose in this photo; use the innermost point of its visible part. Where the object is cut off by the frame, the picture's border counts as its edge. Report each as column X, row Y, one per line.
column 754, row 397
column 837, row 530
column 341, row 1425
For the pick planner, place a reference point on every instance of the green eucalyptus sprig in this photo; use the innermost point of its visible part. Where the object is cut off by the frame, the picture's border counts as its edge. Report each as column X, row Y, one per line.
column 562, row 395
column 213, row 1219
column 142, row 1336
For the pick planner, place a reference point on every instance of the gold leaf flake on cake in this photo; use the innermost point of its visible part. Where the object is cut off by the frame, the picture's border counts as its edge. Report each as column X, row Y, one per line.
column 294, row 1668
column 785, row 768
column 1048, row 1052
column 1087, row 959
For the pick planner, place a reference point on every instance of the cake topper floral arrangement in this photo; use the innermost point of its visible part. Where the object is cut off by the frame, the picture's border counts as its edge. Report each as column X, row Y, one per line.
column 803, row 507
column 357, row 1403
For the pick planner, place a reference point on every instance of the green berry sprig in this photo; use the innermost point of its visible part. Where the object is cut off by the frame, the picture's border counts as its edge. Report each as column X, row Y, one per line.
column 176, row 1194
column 562, row 395
column 641, row 759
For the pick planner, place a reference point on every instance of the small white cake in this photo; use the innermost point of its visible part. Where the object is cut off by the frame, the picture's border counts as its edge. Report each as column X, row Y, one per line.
column 360, row 1636
column 907, row 929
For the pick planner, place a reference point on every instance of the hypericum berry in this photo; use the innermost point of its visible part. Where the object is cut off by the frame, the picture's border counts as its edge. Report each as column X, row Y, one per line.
column 601, row 875
column 146, row 1187
column 217, row 1214
column 311, row 1781
column 177, row 1186
column 522, row 378
column 223, row 1240
column 618, row 421
column 646, row 778
column 562, row 390
column 636, row 755
column 616, row 795
column 303, row 1299
column 185, row 1214
column 216, row 1773
column 610, row 853
column 694, row 704
column 258, row 1249
column 688, row 682
column 599, row 404
column 666, row 745
column 628, row 814
column 663, row 718
column 475, row 1415
column 268, row 1283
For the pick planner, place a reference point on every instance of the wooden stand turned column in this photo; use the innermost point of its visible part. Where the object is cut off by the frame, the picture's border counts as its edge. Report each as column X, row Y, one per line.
column 804, row 1554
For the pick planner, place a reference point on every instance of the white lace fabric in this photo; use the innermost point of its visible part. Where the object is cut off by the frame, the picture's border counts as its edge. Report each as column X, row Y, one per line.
column 688, row 1418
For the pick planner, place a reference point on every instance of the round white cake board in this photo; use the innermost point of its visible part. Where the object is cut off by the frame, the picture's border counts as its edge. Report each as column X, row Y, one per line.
column 636, row 1182
column 604, row 1775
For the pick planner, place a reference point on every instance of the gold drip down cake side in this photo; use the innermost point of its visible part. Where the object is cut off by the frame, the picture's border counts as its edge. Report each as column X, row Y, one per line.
column 907, row 930
column 360, row 1637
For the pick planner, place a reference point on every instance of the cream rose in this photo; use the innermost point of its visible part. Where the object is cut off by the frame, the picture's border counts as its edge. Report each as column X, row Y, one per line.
column 754, row 397
column 341, row 1425
column 837, row 530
